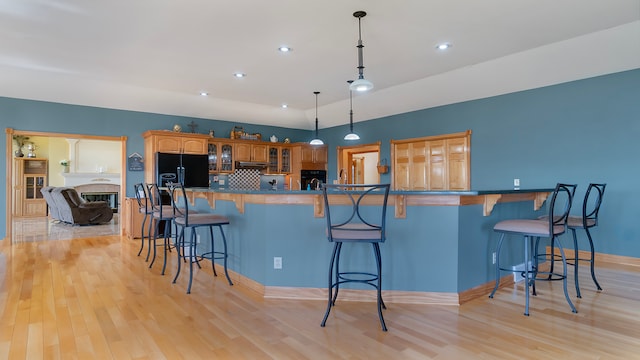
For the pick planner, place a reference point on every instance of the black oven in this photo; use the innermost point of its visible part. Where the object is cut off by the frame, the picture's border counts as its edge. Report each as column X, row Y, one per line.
column 307, row 179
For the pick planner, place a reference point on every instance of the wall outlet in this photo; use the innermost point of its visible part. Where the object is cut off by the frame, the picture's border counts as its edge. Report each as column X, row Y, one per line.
column 516, row 182
column 493, row 258
column 221, row 182
column 277, row 262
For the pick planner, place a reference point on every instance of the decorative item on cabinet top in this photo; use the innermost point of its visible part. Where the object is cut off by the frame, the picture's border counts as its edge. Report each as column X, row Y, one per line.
column 238, row 133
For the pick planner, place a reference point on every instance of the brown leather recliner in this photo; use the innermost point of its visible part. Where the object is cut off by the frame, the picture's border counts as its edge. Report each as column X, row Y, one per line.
column 67, row 206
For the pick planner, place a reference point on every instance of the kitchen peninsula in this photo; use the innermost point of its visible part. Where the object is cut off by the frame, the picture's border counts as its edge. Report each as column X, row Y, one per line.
column 433, row 237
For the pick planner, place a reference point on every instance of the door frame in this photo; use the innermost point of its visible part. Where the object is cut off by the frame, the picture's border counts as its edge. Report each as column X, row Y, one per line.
column 345, row 158
column 9, row 168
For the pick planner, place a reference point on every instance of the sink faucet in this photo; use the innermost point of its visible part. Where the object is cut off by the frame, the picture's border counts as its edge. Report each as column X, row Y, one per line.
column 318, row 184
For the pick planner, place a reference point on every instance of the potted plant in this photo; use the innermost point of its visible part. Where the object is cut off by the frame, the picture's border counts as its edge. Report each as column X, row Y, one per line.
column 65, row 165
column 20, row 140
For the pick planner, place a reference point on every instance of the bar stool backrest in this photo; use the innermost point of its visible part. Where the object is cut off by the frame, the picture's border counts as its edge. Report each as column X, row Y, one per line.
column 356, row 212
column 179, row 201
column 142, row 197
column 156, row 201
column 560, row 207
column 591, row 204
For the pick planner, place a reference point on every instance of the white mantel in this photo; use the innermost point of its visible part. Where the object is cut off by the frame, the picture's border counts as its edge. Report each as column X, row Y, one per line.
column 83, row 178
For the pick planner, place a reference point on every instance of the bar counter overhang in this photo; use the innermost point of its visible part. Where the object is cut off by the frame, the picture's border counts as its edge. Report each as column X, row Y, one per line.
column 438, row 250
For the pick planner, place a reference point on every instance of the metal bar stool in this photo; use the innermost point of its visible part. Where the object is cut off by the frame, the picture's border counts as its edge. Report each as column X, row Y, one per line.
column 144, row 207
column 162, row 216
column 550, row 227
column 589, row 219
column 188, row 219
column 355, row 214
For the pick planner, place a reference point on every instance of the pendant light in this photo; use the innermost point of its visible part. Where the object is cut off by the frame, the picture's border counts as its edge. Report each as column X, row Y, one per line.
column 351, row 135
column 360, row 84
column 316, row 140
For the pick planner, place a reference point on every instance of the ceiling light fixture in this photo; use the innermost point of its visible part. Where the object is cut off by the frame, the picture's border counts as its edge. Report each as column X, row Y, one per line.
column 360, row 84
column 284, row 49
column 239, row 75
column 443, row 46
column 316, row 140
column 284, row 106
column 204, row 93
column 351, row 135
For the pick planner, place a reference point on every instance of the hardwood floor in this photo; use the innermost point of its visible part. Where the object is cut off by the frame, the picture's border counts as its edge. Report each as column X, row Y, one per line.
column 93, row 298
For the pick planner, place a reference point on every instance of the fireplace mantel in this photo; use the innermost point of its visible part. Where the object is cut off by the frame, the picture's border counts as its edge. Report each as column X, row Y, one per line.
column 79, row 178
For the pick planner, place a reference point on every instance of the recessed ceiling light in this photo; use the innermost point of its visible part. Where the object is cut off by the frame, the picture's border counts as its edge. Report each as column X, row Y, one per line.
column 239, row 75
column 444, row 46
column 204, row 93
column 284, row 106
column 284, row 49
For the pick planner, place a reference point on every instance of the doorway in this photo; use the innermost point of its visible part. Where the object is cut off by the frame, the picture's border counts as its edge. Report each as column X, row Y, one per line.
column 9, row 160
column 358, row 164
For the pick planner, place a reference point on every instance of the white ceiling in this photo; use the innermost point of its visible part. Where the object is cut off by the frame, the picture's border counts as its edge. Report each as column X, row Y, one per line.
column 157, row 55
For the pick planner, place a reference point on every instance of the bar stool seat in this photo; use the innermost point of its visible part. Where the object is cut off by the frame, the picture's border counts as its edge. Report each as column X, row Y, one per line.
column 352, row 219
column 551, row 227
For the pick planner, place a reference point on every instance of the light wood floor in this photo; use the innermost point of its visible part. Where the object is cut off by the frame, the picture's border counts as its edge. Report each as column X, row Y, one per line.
column 93, row 298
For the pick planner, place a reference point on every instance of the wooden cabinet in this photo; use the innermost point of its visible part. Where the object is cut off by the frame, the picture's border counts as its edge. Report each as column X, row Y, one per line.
column 30, row 177
column 132, row 219
column 279, row 159
column 313, row 157
column 170, row 142
column 251, row 152
column 432, row 163
column 220, row 156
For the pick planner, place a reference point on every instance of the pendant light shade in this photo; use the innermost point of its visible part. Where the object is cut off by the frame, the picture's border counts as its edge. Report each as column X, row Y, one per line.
column 361, row 84
column 351, row 135
column 316, row 140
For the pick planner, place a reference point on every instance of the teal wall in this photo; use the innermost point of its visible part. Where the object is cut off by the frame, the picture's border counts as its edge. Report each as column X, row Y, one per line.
column 575, row 132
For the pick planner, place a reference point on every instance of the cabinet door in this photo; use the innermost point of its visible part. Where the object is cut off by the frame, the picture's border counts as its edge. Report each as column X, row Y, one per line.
column 194, row 146
column 418, row 166
column 274, row 159
column 212, row 152
column 320, row 154
column 243, row 152
column 169, row 144
column 458, row 164
column 285, row 160
column 259, row 152
column 401, row 167
column 437, row 168
column 226, row 157
column 306, row 154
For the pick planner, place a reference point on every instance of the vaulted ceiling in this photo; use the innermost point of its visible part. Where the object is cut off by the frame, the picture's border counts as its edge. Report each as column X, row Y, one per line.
column 159, row 55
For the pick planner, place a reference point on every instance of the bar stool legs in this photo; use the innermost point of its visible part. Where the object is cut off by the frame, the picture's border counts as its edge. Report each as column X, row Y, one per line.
column 336, row 278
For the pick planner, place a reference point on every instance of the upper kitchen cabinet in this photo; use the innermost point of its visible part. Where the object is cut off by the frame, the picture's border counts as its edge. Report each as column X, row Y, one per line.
column 279, row 159
column 313, row 157
column 432, row 163
column 220, row 156
column 173, row 142
column 247, row 151
column 170, row 142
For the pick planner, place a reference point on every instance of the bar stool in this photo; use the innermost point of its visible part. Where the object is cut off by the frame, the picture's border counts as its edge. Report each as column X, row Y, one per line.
column 589, row 219
column 551, row 227
column 162, row 216
column 144, row 207
column 355, row 214
column 185, row 218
